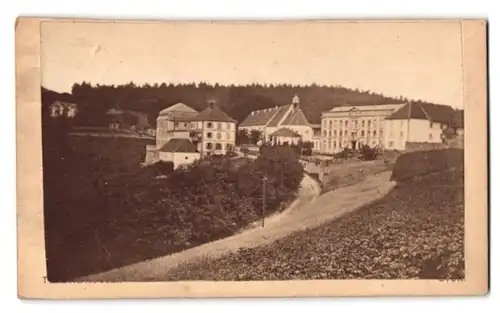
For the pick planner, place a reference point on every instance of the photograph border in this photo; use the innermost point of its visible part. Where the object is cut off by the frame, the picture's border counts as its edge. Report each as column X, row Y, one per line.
column 32, row 282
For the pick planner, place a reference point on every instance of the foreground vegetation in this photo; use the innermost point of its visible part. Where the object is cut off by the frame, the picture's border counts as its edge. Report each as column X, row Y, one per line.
column 416, row 231
column 102, row 210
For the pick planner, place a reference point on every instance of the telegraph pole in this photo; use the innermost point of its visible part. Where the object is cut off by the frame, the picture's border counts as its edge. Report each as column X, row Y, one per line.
column 264, row 179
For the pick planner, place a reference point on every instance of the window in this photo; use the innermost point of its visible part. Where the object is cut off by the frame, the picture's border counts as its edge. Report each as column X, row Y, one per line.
column 185, row 158
column 369, row 124
column 336, row 123
column 176, row 125
column 391, row 144
column 335, row 133
column 345, row 132
column 431, row 124
column 345, row 123
column 229, row 147
column 227, row 136
column 330, row 125
column 362, row 133
column 324, row 133
column 209, row 146
column 218, row 146
column 401, row 134
column 219, row 126
column 430, row 136
column 209, row 125
column 329, row 133
column 219, row 135
column 374, row 133
column 334, row 145
column 209, row 135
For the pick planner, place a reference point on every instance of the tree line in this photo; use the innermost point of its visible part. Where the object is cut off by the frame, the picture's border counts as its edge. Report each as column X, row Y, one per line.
column 236, row 100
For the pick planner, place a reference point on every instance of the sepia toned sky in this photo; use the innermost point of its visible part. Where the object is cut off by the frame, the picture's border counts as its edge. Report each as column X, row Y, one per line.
column 414, row 59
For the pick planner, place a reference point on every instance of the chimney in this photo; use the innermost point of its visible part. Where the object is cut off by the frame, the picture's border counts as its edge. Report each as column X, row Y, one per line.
column 211, row 104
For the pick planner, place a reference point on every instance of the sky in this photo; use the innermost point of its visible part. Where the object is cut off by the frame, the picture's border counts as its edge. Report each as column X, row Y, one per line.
column 418, row 60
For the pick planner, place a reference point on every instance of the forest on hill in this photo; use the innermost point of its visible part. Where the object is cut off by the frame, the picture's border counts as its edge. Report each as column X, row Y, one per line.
column 236, row 100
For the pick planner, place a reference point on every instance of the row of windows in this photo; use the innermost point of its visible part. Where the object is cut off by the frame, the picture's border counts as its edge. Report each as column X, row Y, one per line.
column 341, row 144
column 362, row 133
column 218, row 146
column 218, row 135
column 194, row 125
column 345, row 123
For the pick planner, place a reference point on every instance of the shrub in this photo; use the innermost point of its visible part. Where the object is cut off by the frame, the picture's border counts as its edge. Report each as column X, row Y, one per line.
column 419, row 163
column 163, row 167
column 368, row 154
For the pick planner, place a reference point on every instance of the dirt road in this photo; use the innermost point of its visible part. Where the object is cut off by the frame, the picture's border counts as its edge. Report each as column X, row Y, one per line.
column 308, row 211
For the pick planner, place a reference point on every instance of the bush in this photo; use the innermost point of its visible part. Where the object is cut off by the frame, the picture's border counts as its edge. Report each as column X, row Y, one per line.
column 419, row 163
column 368, row 154
column 163, row 167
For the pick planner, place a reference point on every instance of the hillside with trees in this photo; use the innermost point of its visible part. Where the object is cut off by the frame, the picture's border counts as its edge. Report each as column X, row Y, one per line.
column 236, row 100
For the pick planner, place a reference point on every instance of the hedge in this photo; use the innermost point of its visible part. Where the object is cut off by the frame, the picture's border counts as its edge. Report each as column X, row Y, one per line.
column 414, row 164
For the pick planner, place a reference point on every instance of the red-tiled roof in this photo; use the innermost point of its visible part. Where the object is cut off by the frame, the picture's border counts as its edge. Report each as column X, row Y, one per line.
column 179, row 145
column 213, row 114
column 284, row 132
column 296, row 118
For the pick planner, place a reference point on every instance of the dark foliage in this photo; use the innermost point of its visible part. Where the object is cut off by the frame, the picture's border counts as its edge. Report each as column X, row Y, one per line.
column 163, row 167
column 368, row 153
column 102, row 210
column 237, row 101
column 410, row 165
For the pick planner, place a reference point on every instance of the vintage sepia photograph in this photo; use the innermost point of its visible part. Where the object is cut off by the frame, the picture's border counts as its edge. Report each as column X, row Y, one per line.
column 256, row 151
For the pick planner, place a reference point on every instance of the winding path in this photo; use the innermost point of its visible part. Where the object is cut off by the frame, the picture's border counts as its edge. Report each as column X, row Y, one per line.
column 308, row 211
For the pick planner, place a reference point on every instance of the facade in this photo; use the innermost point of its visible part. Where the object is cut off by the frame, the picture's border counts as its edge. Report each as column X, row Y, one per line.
column 354, row 126
column 284, row 136
column 316, row 138
column 421, row 123
column 270, row 120
column 179, row 151
column 174, row 122
column 213, row 131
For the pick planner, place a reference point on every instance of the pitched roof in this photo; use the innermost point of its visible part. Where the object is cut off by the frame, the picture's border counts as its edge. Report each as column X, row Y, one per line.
column 408, row 111
column 425, row 111
column 279, row 115
column 296, row 118
column 284, row 132
column 179, row 145
column 179, row 112
column 259, row 117
column 213, row 114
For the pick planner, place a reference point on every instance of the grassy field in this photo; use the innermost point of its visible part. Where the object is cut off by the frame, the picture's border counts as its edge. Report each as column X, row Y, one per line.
column 416, row 231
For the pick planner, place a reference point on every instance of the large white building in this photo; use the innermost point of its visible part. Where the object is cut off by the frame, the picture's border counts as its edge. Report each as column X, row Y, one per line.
column 354, row 126
column 268, row 121
column 421, row 123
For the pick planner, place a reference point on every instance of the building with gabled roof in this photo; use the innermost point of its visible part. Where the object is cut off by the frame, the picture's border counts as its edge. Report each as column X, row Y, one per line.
column 267, row 121
column 213, row 130
column 421, row 123
column 284, row 136
column 179, row 151
column 174, row 122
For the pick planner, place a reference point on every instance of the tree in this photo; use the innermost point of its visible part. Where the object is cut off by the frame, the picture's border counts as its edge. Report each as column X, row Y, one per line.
column 368, row 154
